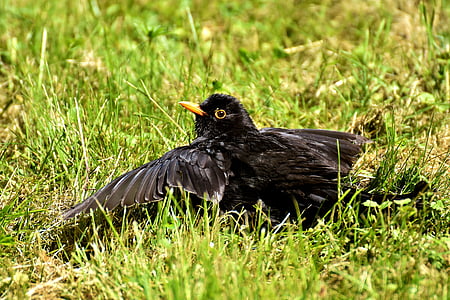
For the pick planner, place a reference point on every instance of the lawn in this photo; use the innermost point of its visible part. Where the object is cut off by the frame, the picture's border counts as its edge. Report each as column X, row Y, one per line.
column 89, row 90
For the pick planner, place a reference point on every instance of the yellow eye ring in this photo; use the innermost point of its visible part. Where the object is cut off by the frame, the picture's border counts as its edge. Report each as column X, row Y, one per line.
column 220, row 114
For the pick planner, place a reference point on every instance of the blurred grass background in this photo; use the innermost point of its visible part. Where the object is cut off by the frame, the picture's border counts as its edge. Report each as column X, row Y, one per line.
column 89, row 90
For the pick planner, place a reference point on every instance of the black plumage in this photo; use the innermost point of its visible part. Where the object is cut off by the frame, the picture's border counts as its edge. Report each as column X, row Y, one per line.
column 233, row 163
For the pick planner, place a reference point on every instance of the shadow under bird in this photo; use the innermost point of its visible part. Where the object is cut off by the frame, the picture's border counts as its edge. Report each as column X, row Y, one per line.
column 238, row 166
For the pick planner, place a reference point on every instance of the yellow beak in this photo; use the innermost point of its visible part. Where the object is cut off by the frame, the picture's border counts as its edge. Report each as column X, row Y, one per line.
column 193, row 107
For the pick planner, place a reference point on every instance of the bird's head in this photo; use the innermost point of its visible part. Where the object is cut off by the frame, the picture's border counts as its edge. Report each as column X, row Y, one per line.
column 220, row 114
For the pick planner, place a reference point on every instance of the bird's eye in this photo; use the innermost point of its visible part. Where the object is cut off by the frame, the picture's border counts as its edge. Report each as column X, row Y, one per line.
column 220, row 114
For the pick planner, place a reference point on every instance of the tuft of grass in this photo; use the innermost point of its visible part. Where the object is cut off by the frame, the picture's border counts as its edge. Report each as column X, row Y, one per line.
column 89, row 90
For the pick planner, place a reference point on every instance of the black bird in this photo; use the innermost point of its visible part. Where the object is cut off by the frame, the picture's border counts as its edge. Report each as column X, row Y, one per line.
column 239, row 166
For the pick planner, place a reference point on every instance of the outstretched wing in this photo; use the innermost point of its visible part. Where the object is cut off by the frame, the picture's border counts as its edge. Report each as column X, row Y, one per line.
column 191, row 169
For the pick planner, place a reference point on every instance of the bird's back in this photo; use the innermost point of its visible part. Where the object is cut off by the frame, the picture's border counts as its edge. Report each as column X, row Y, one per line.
column 290, row 169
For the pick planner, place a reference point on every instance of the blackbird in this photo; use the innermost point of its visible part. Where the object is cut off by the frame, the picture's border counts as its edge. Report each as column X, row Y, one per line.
column 231, row 162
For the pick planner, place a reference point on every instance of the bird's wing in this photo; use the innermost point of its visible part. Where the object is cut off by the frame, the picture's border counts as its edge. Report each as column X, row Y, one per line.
column 332, row 151
column 346, row 136
column 191, row 169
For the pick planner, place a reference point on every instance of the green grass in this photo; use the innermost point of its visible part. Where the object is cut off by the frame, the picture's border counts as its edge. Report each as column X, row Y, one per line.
column 89, row 90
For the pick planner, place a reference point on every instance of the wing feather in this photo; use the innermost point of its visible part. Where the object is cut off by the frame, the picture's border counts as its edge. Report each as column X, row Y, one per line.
column 142, row 192
column 329, row 150
column 186, row 167
column 129, row 195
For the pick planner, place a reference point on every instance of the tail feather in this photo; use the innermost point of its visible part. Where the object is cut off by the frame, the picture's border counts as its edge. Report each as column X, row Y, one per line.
column 419, row 188
column 320, row 202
